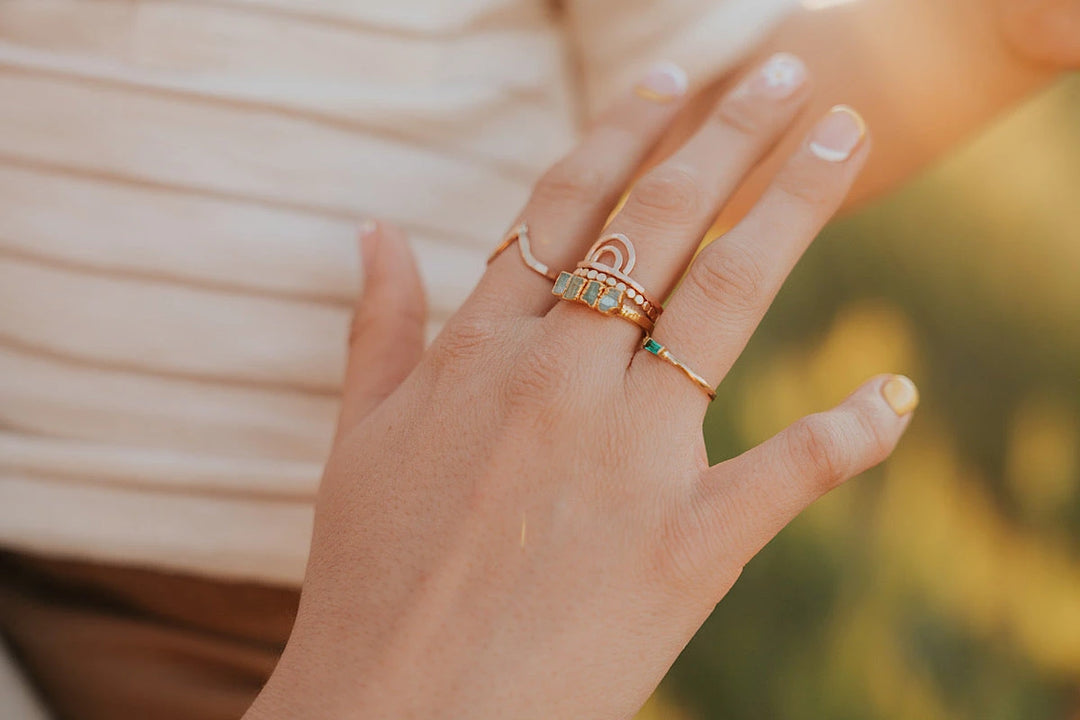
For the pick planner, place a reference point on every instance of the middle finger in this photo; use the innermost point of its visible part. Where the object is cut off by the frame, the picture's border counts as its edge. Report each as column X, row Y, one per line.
column 672, row 206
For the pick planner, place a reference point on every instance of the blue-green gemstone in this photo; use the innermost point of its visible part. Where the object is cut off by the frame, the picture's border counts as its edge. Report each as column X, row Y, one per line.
column 653, row 346
column 609, row 301
column 592, row 293
column 560, row 283
column 573, row 290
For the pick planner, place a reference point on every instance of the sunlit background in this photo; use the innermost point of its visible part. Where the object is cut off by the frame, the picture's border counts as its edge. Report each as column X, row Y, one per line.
column 946, row 584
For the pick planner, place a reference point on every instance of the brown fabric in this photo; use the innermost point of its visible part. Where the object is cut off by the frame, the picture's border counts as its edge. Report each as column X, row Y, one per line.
column 108, row 642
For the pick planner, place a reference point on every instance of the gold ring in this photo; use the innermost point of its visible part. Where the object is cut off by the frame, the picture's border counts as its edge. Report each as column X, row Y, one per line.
column 602, row 281
column 520, row 235
column 651, row 346
column 616, row 273
column 601, row 297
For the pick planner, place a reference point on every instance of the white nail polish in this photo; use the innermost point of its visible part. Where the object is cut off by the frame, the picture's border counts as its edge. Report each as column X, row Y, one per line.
column 782, row 75
column 837, row 135
column 664, row 82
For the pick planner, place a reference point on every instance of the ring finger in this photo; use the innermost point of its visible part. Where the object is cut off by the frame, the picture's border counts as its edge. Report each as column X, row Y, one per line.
column 672, row 206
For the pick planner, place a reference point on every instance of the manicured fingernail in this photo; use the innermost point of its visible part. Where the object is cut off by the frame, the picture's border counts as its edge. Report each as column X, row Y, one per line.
column 664, row 82
column 901, row 394
column 369, row 238
column 778, row 78
column 838, row 134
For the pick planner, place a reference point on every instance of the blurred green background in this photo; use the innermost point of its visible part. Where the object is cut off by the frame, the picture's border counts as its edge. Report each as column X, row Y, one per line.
column 945, row 584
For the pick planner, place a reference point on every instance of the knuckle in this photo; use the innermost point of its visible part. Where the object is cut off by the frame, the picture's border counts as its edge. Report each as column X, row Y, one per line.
column 464, row 340
column 876, row 444
column 541, row 376
column 571, row 181
column 667, row 195
column 730, row 277
column 745, row 115
column 818, row 449
column 807, row 185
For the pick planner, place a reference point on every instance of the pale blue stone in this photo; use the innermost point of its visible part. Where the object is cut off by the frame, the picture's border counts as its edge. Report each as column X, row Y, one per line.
column 592, row 292
column 573, row 290
column 608, row 302
column 560, row 283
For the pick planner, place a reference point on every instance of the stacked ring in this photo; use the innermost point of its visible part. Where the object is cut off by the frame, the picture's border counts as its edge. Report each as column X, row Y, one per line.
column 601, row 297
column 617, row 273
column 655, row 348
column 520, row 235
column 607, row 286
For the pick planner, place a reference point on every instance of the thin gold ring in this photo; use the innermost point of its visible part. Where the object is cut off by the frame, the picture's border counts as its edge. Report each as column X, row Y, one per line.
column 601, row 297
column 520, row 235
column 651, row 346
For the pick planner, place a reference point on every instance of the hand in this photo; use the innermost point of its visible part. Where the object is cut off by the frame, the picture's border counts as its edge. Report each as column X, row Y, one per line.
column 521, row 522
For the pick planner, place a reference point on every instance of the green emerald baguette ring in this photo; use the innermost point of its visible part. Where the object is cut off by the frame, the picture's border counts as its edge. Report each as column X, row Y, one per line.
column 655, row 348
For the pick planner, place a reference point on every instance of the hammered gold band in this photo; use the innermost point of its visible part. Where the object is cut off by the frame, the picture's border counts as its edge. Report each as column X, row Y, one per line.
column 655, row 348
column 520, row 235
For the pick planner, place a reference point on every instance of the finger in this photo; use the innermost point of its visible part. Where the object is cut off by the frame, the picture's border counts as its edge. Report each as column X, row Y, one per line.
column 387, row 335
column 671, row 207
column 747, row 500
column 731, row 284
column 574, row 198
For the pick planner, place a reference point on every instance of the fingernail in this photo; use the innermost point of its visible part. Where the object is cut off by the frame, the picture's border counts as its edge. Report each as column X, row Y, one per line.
column 369, row 238
column 838, row 134
column 901, row 394
column 664, row 82
column 778, row 78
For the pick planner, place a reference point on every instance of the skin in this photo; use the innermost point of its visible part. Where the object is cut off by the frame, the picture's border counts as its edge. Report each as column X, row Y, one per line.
column 940, row 73
column 521, row 521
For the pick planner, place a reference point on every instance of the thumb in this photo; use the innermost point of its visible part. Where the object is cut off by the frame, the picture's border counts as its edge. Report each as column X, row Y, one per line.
column 386, row 339
column 750, row 498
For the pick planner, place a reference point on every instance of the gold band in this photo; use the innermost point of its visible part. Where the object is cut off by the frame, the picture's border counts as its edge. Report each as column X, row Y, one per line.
column 520, row 235
column 655, row 348
column 602, row 298
column 611, row 259
column 634, row 292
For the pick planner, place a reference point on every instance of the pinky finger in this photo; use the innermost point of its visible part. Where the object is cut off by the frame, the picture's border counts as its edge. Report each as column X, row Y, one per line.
column 752, row 497
column 387, row 335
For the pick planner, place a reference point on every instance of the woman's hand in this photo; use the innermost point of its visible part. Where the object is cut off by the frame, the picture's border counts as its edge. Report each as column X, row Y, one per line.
column 521, row 522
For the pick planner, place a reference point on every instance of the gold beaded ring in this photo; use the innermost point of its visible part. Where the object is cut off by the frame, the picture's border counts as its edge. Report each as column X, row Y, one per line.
column 602, row 298
column 655, row 348
column 617, row 273
column 520, row 235
column 607, row 286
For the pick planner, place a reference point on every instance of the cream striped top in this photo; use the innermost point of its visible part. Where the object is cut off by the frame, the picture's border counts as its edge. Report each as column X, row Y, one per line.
column 180, row 183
